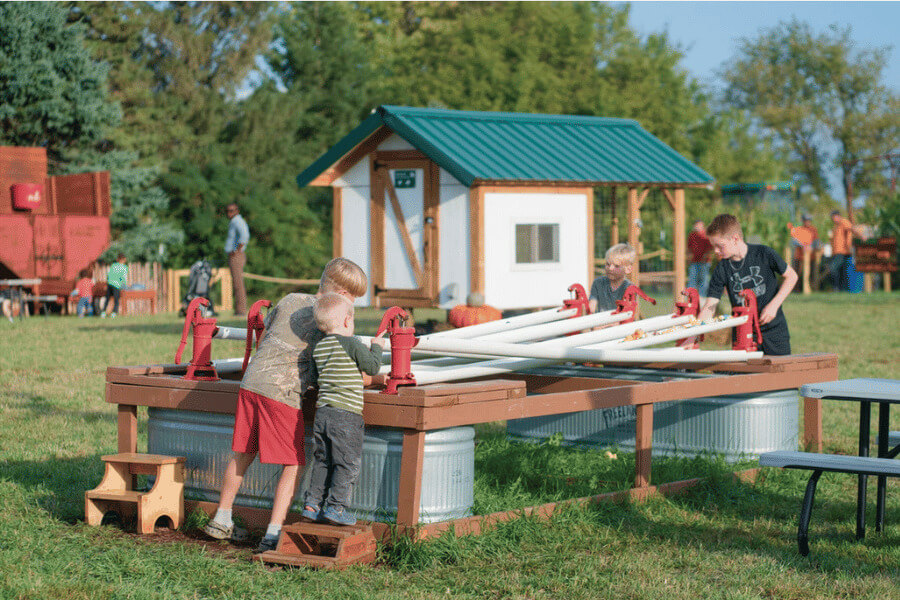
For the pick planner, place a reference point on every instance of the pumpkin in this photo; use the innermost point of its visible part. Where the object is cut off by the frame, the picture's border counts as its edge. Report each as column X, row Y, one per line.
column 463, row 315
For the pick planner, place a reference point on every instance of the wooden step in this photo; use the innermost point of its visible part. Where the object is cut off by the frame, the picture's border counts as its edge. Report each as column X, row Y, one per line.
column 142, row 459
column 117, row 495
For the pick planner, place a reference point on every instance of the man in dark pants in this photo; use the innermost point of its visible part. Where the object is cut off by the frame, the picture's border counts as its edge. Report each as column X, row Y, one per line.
column 238, row 236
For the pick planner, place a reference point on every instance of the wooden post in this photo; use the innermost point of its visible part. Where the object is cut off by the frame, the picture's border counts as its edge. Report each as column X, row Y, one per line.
column 127, row 418
column 634, row 234
column 476, row 239
column 680, row 243
column 589, row 193
column 410, row 491
column 227, row 289
column 867, row 283
column 887, row 281
column 643, row 445
column 337, row 216
column 812, row 424
column 614, row 221
column 807, row 252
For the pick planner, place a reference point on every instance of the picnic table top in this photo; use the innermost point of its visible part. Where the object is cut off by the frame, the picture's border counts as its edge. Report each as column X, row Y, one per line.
column 864, row 388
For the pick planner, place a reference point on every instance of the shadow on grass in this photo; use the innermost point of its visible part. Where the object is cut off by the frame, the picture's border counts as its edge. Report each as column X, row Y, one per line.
column 56, row 484
column 43, row 406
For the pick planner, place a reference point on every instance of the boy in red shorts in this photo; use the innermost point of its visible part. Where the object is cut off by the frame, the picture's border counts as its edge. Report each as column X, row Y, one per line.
column 269, row 421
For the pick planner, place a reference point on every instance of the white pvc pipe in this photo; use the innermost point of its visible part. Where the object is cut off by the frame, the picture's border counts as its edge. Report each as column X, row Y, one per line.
column 679, row 334
column 231, row 333
column 535, row 318
column 556, row 328
column 677, row 355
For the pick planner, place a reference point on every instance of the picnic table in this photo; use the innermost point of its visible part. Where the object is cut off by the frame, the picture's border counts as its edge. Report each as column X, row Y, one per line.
column 865, row 391
column 17, row 292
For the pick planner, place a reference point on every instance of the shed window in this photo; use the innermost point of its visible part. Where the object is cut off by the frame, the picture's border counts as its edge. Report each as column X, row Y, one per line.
column 537, row 243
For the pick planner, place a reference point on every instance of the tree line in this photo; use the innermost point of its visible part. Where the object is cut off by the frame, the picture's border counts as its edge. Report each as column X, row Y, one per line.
column 192, row 105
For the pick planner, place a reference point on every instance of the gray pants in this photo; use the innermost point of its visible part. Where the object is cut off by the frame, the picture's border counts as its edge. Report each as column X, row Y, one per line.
column 337, row 457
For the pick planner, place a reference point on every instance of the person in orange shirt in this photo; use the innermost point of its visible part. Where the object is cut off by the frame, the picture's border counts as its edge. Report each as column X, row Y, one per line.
column 811, row 241
column 841, row 246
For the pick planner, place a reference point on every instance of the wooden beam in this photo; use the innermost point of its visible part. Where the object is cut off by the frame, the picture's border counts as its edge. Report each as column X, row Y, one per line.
column 370, row 144
column 432, row 230
column 643, row 445
column 395, row 155
column 476, row 239
column 589, row 192
column 614, row 221
column 634, row 233
column 669, row 197
column 679, row 241
column 812, row 424
column 410, row 493
column 376, row 232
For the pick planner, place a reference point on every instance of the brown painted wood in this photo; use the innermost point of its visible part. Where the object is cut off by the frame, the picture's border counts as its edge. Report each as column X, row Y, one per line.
column 634, row 234
column 337, row 222
column 376, row 232
column 370, row 144
column 556, row 183
column 476, row 239
column 812, row 424
column 679, row 241
column 410, row 492
column 432, row 231
column 127, row 426
column 643, row 445
column 399, row 155
column 590, row 236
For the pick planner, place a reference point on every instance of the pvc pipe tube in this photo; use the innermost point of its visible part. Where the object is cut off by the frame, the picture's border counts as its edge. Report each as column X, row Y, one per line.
column 556, row 328
column 535, row 318
column 679, row 334
column 231, row 333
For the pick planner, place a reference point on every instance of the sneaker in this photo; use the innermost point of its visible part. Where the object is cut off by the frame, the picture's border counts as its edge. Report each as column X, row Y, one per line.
column 266, row 544
column 338, row 516
column 311, row 512
column 235, row 533
column 103, row 315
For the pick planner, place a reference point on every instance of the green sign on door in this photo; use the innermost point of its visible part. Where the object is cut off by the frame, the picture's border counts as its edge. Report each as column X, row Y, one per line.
column 404, row 178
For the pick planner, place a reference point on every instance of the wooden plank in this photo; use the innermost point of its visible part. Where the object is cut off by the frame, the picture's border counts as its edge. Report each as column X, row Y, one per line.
column 177, row 382
column 410, row 491
column 160, row 397
column 398, row 155
column 679, row 241
column 432, row 231
column 376, row 232
column 370, row 144
column 476, row 239
column 812, row 424
column 590, row 236
column 127, row 426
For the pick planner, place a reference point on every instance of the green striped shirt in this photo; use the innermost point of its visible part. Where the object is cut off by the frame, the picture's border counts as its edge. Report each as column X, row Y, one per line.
column 339, row 360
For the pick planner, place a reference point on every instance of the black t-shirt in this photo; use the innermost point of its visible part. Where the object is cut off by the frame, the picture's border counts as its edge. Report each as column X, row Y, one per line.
column 757, row 272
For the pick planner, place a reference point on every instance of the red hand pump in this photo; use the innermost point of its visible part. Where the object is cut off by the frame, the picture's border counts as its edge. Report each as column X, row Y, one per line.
column 628, row 303
column 744, row 333
column 201, row 367
column 402, row 341
column 255, row 325
column 580, row 301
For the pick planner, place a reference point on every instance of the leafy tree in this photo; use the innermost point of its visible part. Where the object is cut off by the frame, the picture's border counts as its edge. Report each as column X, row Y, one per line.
column 52, row 93
column 818, row 96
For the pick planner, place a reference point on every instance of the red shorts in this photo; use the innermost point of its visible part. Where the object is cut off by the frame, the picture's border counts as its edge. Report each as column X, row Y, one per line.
column 273, row 429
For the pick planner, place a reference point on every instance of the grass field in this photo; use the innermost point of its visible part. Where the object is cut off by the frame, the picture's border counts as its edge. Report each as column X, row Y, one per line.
column 720, row 540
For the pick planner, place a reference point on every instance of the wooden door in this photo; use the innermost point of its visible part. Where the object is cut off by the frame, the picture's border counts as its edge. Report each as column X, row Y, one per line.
column 48, row 247
column 404, row 226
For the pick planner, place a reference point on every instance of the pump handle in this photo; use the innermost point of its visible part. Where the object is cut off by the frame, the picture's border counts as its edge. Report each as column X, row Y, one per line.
column 189, row 318
column 394, row 312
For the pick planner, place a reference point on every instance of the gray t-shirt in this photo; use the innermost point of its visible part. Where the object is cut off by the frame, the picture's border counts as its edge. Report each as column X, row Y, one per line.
column 604, row 294
column 282, row 367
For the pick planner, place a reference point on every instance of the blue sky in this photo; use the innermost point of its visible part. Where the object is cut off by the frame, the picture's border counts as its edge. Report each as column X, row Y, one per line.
column 709, row 32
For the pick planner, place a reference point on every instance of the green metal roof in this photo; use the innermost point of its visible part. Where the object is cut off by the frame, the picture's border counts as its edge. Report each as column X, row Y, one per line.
column 496, row 146
column 742, row 188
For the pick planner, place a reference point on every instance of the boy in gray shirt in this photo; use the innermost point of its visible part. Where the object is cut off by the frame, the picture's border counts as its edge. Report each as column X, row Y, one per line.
column 611, row 287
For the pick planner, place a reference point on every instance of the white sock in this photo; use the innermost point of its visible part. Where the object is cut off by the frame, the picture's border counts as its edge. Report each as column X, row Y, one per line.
column 223, row 517
column 273, row 530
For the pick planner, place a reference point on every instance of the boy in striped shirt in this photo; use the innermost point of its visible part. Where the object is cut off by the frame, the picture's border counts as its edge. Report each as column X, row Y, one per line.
column 339, row 427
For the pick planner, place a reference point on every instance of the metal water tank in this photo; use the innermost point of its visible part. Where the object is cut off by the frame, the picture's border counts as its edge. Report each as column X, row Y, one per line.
column 735, row 426
column 205, row 440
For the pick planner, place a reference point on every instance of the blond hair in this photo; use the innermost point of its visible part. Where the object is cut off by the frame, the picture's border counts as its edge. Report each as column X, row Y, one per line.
column 724, row 225
column 343, row 275
column 621, row 251
column 330, row 311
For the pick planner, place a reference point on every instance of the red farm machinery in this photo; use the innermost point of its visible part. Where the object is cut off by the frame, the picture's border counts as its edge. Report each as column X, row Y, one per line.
column 50, row 227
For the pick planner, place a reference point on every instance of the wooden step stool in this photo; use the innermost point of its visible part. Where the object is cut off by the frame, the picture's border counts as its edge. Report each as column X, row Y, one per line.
column 323, row 546
column 165, row 499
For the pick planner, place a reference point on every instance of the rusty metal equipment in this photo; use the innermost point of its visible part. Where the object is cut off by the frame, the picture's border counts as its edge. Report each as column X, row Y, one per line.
column 50, row 227
column 323, row 546
column 747, row 336
column 255, row 326
column 402, row 341
column 201, row 367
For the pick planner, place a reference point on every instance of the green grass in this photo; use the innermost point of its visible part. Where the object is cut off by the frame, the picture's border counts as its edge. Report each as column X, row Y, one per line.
column 720, row 540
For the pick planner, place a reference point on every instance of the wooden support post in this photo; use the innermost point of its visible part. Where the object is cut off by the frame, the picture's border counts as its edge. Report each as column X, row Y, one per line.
column 887, row 281
column 127, row 428
column 643, row 445
column 867, row 283
column 476, row 239
column 680, row 243
column 634, row 233
column 812, row 424
column 337, row 227
column 410, row 493
column 614, row 221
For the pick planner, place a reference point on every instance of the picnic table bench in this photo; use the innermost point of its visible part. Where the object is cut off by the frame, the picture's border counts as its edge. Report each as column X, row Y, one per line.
column 819, row 463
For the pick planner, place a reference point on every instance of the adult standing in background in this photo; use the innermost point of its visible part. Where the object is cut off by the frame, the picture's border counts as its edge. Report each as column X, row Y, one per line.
column 235, row 243
column 701, row 255
column 841, row 244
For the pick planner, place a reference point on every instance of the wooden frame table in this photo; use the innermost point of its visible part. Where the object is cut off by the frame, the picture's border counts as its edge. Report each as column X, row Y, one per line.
column 418, row 410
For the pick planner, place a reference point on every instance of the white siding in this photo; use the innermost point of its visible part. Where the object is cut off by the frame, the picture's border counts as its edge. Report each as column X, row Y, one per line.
column 511, row 285
column 355, row 230
column 454, row 241
column 395, row 142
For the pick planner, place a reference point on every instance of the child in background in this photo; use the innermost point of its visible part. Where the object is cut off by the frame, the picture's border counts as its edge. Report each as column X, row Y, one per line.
column 339, row 427
column 699, row 247
column 611, row 287
column 115, row 281
column 745, row 266
column 84, row 290
column 269, row 420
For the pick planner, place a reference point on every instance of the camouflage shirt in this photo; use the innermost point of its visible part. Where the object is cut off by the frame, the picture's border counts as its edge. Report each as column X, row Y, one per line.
column 282, row 367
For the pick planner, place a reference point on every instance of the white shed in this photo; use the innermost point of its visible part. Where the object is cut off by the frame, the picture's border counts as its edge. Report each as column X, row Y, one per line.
column 438, row 203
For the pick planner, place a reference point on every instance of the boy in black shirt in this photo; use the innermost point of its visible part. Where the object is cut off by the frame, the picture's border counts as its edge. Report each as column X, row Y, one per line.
column 750, row 266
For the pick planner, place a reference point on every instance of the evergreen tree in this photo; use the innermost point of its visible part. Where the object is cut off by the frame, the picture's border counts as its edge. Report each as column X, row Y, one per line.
column 52, row 93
